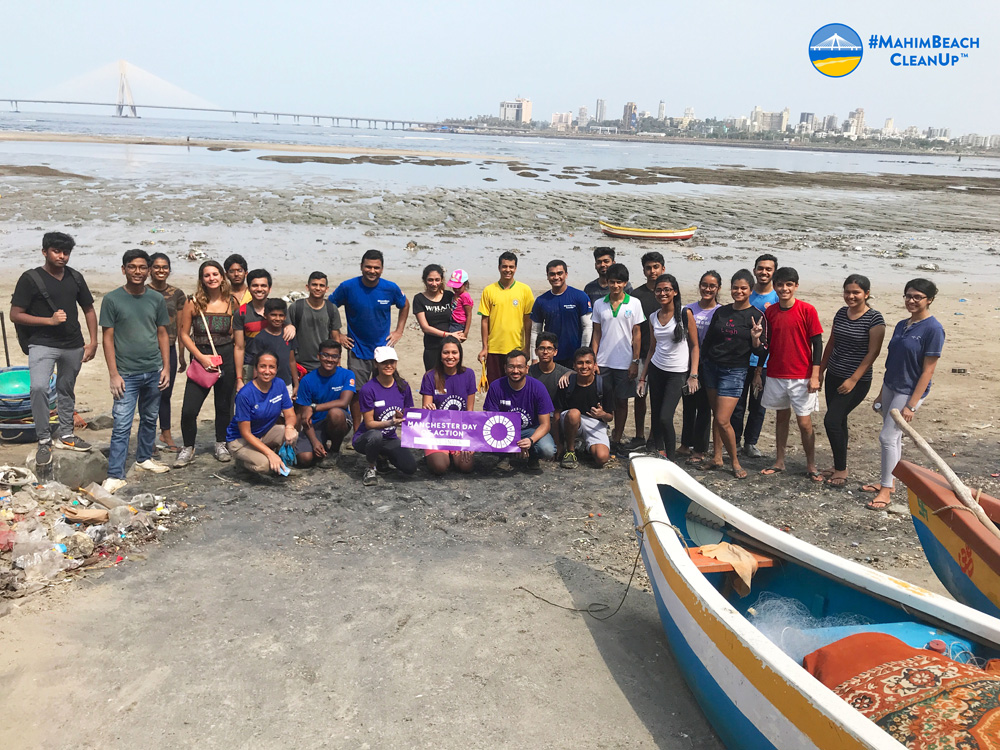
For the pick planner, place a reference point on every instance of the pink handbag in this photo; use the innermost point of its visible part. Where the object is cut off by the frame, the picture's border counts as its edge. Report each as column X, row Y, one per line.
column 199, row 374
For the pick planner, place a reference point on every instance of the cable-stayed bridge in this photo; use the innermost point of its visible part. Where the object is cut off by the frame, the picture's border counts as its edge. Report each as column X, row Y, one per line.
column 87, row 91
column 836, row 43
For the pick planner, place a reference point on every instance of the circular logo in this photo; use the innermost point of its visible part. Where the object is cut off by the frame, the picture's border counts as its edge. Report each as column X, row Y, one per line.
column 835, row 50
column 498, row 431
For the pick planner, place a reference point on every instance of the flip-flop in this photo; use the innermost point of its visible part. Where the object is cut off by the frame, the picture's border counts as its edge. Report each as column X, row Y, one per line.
column 837, row 482
column 695, row 461
column 712, row 466
column 874, row 504
column 740, row 473
column 815, row 476
column 870, row 488
column 771, row 471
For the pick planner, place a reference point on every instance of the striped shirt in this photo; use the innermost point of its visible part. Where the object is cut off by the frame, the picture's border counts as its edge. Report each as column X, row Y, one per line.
column 850, row 342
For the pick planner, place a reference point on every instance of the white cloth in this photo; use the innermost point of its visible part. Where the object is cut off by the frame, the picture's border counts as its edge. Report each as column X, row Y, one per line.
column 615, row 348
column 669, row 355
column 781, row 393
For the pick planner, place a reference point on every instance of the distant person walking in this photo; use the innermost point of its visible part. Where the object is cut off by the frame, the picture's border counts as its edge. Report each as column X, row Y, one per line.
column 136, row 348
column 206, row 327
column 854, row 345
column 44, row 306
column 913, row 353
column 159, row 272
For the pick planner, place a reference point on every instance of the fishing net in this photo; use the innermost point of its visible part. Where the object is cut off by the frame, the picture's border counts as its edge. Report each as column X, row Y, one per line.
column 788, row 624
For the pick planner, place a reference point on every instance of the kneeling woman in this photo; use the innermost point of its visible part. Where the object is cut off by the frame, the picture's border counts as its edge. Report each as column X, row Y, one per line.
column 254, row 434
column 451, row 386
column 382, row 401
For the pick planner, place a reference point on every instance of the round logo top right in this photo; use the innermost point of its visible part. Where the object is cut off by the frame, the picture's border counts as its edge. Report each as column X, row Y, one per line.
column 835, row 50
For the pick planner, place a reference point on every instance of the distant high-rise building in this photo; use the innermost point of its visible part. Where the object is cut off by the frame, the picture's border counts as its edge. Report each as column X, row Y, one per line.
column 600, row 111
column 890, row 127
column 518, row 111
column 582, row 118
column 807, row 118
column 562, row 120
column 661, row 113
column 630, row 116
column 689, row 113
column 856, row 122
column 830, row 123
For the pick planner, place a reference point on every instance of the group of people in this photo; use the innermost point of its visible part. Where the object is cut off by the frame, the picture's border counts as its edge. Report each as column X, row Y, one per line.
column 567, row 362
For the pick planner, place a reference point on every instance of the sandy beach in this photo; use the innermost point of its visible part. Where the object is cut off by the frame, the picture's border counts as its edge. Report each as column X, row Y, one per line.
column 391, row 617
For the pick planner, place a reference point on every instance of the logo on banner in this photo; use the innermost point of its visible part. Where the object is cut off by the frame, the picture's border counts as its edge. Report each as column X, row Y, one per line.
column 498, row 431
column 835, row 50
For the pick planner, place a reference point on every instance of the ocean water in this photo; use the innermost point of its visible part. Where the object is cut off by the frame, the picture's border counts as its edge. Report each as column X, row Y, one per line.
column 543, row 156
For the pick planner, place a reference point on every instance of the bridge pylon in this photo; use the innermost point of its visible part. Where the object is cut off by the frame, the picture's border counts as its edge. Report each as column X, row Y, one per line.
column 124, row 93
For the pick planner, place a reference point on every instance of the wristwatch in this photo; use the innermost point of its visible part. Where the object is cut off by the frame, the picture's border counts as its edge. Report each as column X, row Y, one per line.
column 636, row 361
column 693, row 375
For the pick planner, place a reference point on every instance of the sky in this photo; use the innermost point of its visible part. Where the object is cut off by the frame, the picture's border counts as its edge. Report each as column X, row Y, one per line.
column 430, row 60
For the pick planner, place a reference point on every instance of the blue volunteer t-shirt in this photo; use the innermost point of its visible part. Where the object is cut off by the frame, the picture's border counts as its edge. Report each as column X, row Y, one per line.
column 261, row 410
column 531, row 401
column 369, row 312
column 761, row 302
column 904, row 363
column 561, row 315
column 315, row 389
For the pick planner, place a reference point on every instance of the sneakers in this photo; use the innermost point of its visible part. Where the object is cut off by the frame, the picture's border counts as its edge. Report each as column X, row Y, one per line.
column 751, row 451
column 635, row 443
column 222, row 453
column 569, row 460
column 185, row 457
column 43, row 456
column 504, row 464
column 73, row 443
column 370, row 478
column 154, row 466
column 113, row 484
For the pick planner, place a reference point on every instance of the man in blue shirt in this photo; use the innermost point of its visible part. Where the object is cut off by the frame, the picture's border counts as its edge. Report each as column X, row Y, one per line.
column 367, row 301
column 762, row 296
column 564, row 311
column 323, row 404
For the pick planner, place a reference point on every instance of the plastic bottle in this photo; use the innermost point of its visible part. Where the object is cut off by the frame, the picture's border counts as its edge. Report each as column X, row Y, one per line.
column 120, row 517
column 101, row 496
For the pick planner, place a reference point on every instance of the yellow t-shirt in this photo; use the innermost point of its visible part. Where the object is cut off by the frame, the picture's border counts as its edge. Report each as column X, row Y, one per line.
column 506, row 309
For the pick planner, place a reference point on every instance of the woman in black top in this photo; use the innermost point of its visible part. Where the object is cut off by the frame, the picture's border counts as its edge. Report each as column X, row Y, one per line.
column 854, row 344
column 433, row 310
column 736, row 331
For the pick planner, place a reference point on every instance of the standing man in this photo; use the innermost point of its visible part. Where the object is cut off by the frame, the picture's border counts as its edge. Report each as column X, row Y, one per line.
column 505, row 318
column 236, row 272
column 316, row 320
column 616, row 343
column 564, row 311
column 44, row 308
column 136, row 347
column 368, row 300
column 159, row 272
column 652, row 267
column 762, row 296
column 253, row 320
column 604, row 257
column 525, row 396
column 795, row 349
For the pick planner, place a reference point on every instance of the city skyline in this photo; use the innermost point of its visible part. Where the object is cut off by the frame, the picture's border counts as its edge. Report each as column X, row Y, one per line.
column 433, row 62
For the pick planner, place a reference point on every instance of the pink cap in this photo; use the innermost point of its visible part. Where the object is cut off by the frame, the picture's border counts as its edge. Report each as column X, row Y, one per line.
column 458, row 278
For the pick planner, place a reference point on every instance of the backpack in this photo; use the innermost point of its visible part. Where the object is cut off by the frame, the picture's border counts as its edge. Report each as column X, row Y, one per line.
column 24, row 332
column 295, row 312
column 571, row 386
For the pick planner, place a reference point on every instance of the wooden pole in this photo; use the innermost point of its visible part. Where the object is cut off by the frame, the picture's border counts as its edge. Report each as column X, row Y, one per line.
column 3, row 327
column 961, row 491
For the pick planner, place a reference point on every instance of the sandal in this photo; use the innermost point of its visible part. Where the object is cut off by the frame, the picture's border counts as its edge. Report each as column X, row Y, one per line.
column 875, row 504
column 772, row 471
column 815, row 476
column 695, row 461
column 870, row 488
column 740, row 473
column 837, row 482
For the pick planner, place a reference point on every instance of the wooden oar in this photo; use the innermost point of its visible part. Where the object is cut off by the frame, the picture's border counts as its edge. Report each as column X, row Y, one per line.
column 961, row 491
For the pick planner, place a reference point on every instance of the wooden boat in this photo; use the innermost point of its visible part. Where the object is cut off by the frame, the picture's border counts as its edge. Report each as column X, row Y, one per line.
column 635, row 233
column 755, row 694
column 964, row 555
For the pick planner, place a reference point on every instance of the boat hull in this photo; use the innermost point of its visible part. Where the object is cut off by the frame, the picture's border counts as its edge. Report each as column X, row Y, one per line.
column 964, row 556
column 636, row 233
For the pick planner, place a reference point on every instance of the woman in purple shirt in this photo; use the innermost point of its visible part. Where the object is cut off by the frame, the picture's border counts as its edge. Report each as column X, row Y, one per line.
column 383, row 401
column 697, row 430
column 452, row 386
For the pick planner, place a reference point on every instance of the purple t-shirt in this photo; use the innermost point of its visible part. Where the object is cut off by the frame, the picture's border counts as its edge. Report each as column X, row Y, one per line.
column 457, row 389
column 383, row 402
column 531, row 401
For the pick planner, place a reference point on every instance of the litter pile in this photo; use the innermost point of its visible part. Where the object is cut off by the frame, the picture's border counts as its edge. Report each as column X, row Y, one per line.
column 48, row 531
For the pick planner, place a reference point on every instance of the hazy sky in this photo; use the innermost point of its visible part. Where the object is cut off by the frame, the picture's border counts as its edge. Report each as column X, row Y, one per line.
column 429, row 60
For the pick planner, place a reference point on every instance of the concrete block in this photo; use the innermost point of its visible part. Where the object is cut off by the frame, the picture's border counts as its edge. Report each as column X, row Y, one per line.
column 72, row 468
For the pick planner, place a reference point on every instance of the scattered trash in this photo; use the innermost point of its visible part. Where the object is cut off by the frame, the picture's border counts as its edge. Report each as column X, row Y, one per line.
column 928, row 267
column 959, row 370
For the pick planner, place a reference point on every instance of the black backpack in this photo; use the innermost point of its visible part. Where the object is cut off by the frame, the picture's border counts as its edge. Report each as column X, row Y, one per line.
column 24, row 332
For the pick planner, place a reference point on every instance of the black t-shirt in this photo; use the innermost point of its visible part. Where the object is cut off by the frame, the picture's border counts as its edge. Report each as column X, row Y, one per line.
column 438, row 315
column 585, row 397
column 549, row 379
column 648, row 301
column 65, row 294
column 728, row 342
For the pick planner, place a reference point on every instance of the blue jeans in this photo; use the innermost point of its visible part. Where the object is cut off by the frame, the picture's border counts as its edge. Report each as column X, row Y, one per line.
column 143, row 389
column 545, row 447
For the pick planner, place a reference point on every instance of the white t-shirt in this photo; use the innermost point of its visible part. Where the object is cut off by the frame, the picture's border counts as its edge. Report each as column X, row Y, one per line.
column 668, row 355
column 615, row 350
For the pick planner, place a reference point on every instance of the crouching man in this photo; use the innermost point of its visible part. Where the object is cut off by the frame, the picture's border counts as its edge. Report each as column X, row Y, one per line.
column 586, row 406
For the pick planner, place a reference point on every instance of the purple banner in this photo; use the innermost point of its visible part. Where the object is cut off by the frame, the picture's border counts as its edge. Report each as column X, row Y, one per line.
column 451, row 430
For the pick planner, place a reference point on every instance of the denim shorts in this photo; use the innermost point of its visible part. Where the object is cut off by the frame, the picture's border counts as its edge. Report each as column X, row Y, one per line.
column 725, row 381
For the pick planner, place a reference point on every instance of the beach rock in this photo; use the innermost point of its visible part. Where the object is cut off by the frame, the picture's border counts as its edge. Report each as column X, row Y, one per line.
column 79, row 545
column 101, row 422
column 74, row 469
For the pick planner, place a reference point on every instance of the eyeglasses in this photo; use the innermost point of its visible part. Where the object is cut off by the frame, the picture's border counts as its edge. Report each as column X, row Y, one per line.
column 914, row 297
column 709, row 287
column 665, row 290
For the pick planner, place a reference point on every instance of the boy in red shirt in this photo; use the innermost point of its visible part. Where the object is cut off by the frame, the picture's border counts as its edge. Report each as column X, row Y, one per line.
column 796, row 350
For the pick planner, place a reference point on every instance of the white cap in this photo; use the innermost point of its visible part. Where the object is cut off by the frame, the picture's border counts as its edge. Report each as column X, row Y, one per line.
column 385, row 353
